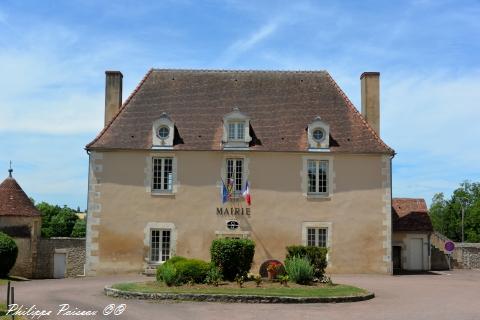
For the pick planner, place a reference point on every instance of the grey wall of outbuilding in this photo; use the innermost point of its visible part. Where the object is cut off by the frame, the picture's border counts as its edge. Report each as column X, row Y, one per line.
column 75, row 256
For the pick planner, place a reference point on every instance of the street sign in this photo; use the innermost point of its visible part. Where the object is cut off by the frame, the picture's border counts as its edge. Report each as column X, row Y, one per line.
column 449, row 246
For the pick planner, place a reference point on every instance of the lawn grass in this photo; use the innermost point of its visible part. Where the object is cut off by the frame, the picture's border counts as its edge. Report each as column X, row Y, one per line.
column 266, row 289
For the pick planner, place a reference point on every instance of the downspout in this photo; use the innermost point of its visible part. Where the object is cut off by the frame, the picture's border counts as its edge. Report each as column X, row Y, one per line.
column 87, row 213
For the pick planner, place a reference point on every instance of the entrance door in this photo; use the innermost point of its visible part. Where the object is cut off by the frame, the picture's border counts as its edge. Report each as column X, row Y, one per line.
column 59, row 264
column 397, row 258
column 415, row 256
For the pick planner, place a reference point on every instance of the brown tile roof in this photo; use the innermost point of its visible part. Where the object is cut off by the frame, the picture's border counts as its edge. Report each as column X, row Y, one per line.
column 410, row 215
column 280, row 105
column 14, row 201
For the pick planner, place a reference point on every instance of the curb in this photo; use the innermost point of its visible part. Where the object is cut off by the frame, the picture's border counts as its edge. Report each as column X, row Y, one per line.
column 111, row 292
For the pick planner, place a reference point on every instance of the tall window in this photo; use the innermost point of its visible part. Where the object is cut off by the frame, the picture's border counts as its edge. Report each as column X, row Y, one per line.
column 318, row 176
column 162, row 174
column 317, row 237
column 236, row 130
column 159, row 245
column 235, row 175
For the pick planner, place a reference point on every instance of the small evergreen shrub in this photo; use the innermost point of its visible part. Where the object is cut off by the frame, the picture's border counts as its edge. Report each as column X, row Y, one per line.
column 316, row 255
column 186, row 270
column 170, row 275
column 299, row 269
column 193, row 270
column 170, row 261
column 214, row 275
column 8, row 254
column 233, row 256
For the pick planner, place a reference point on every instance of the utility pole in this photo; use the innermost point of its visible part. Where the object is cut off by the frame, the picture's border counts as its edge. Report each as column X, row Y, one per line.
column 463, row 217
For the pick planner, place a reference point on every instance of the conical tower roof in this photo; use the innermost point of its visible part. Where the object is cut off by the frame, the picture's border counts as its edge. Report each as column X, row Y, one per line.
column 14, row 201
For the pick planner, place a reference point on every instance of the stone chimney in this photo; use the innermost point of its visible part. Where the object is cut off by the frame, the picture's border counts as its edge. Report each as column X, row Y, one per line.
column 113, row 94
column 370, row 83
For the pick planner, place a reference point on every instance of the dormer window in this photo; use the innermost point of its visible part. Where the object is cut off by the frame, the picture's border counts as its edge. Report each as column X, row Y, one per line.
column 318, row 135
column 162, row 132
column 236, row 130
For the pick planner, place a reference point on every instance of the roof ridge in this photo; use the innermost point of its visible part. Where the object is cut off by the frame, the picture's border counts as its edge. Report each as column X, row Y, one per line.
column 357, row 113
column 124, row 105
column 237, row 70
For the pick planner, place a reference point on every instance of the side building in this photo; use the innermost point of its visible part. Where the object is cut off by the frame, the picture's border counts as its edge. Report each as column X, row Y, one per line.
column 316, row 169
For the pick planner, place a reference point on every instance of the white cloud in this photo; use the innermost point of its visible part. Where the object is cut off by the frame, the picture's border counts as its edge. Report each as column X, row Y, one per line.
column 241, row 46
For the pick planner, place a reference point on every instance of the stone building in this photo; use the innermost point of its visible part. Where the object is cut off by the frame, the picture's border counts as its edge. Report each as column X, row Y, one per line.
column 37, row 257
column 169, row 171
column 21, row 220
column 412, row 230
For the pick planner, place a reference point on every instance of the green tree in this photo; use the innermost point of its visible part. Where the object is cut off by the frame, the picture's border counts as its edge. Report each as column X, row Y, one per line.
column 79, row 229
column 57, row 221
column 446, row 215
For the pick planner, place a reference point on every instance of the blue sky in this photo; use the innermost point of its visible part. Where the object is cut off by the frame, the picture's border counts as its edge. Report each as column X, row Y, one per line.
column 53, row 56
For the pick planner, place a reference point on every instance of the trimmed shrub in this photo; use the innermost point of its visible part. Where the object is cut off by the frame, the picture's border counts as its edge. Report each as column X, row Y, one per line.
column 299, row 269
column 170, row 261
column 192, row 270
column 233, row 256
column 170, row 275
column 185, row 270
column 8, row 254
column 316, row 255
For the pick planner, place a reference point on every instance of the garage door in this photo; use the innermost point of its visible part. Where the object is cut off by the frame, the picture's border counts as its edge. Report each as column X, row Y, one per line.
column 415, row 256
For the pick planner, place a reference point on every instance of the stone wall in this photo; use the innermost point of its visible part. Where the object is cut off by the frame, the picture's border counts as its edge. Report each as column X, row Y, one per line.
column 467, row 255
column 75, row 255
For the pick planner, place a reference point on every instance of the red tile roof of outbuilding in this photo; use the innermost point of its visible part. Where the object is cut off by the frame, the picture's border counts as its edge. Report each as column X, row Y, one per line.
column 410, row 214
column 280, row 105
column 14, row 201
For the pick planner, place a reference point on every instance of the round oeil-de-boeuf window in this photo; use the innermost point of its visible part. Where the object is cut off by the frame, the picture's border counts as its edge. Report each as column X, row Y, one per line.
column 232, row 225
column 163, row 132
column 318, row 134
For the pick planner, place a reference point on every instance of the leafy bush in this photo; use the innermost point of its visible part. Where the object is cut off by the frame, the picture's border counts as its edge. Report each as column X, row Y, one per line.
column 192, row 270
column 170, row 275
column 185, row 270
column 8, row 254
column 316, row 255
column 170, row 261
column 214, row 275
column 233, row 256
column 299, row 269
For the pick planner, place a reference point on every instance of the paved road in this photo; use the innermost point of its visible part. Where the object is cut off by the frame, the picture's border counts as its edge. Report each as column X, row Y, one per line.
column 447, row 295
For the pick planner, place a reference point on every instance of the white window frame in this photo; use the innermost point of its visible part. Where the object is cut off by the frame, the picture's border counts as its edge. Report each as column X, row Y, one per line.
column 147, row 241
column 330, row 177
column 171, row 181
column 317, row 239
column 160, row 248
column 318, row 225
column 318, row 164
column 237, row 193
column 238, row 133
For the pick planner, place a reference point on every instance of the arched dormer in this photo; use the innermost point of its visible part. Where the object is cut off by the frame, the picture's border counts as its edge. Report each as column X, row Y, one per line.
column 236, row 130
column 163, row 131
column 318, row 134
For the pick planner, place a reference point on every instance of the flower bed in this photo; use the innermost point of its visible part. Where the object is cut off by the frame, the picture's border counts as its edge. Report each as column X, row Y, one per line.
column 268, row 292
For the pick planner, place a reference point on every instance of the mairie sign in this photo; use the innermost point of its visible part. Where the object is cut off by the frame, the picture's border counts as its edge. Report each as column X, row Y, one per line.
column 233, row 211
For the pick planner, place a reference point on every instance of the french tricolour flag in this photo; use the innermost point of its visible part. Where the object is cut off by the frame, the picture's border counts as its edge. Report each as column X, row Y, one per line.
column 246, row 194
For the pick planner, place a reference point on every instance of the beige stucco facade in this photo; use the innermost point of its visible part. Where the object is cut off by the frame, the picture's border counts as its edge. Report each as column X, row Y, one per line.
column 122, row 208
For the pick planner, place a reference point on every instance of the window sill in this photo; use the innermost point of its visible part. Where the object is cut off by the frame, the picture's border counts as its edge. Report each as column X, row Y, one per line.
column 163, row 194
column 314, row 196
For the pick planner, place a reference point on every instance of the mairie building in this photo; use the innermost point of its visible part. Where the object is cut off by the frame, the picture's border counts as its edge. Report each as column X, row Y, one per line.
column 176, row 161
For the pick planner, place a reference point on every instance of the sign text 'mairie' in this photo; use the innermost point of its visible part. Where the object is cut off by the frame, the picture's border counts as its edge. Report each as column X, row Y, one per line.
column 233, row 211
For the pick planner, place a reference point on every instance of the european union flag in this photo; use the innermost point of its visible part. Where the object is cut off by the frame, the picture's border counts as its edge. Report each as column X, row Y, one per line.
column 225, row 194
